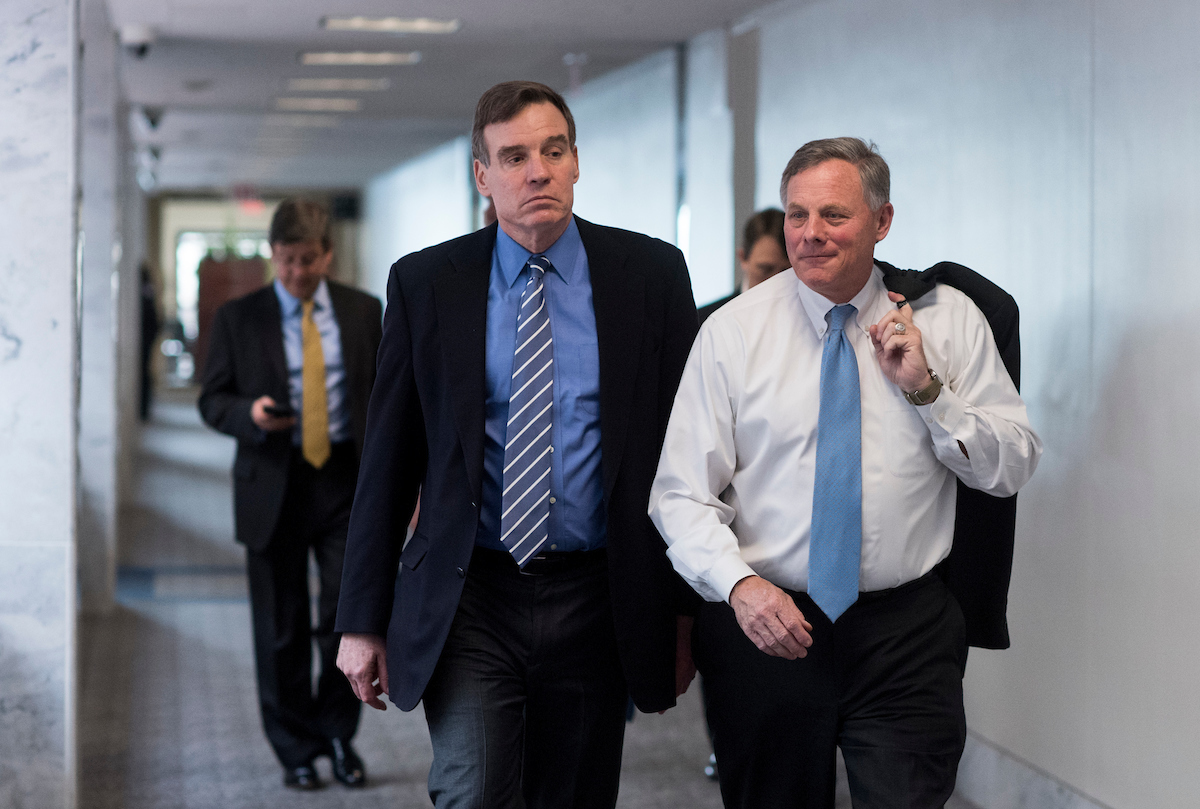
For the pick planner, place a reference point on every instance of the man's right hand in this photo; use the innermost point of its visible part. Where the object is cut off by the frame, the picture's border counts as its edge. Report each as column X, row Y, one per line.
column 363, row 659
column 770, row 618
column 264, row 420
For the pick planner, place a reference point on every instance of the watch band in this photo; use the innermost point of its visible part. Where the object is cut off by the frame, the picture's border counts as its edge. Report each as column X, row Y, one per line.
column 926, row 394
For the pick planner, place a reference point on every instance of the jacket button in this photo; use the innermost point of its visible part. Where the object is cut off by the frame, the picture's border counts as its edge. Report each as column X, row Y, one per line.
column 462, row 574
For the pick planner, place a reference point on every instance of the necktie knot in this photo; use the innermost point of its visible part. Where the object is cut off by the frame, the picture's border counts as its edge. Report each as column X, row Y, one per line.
column 538, row 265
column 839, row 315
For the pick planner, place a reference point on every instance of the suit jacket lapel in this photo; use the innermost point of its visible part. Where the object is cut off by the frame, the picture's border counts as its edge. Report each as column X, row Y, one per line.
column 618, row 295
column 460, row 297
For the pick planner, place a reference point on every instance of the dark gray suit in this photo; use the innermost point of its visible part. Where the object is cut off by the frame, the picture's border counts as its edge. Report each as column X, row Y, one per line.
column 283, row 507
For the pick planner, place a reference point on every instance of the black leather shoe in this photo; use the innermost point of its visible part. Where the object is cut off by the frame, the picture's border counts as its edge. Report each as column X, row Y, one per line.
column 347, row 766
column 302, row 777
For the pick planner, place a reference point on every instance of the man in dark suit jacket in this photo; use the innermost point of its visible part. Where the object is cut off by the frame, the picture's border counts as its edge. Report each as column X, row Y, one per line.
column 524, row 651
column 289, row 374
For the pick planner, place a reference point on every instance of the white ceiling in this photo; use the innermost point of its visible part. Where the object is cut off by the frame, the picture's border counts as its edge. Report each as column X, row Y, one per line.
column 218, row 67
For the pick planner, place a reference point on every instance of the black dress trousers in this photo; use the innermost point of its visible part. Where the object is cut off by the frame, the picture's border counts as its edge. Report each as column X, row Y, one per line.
column 884, row 683
column 526, row 707
column 316, row 512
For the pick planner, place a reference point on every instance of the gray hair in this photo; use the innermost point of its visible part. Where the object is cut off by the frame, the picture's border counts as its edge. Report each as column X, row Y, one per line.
column 872, row 168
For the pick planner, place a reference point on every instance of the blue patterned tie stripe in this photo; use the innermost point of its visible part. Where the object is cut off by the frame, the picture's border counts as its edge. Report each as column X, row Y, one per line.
column 525, row 502
column 835, row 546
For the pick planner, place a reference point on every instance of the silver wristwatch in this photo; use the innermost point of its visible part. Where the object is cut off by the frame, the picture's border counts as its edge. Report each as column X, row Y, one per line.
column 926, row 394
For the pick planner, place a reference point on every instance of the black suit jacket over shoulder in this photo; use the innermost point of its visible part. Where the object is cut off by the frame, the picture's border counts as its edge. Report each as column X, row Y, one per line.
column 246, row 360
column 425, row 432
column 979, row 566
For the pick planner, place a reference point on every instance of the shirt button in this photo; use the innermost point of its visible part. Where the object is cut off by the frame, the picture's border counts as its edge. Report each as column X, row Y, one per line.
column 929, row 421
column 553, row 500
column 553, row 547
column 462, row 574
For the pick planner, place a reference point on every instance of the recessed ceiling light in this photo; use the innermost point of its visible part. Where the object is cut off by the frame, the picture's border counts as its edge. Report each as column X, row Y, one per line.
column 362, row 58
column 337, row 85
column 318, row 104
column 391, row 25
column 301, row 121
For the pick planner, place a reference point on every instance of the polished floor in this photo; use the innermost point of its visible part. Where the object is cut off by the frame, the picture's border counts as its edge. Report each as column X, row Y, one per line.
column 168, row 713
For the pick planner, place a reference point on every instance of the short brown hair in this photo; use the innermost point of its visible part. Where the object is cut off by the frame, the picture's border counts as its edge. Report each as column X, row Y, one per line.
column 506, row 101
column 872, row 168
column 300, row 220
column 767, row 222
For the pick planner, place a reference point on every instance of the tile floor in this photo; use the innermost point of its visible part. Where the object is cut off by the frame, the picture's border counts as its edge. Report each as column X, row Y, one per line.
column 168, row 714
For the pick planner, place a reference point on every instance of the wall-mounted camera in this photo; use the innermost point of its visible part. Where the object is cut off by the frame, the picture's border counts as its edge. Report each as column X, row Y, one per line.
column 137, row 39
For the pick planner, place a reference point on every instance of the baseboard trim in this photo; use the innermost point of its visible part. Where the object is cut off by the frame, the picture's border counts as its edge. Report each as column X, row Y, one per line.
column 993, row 778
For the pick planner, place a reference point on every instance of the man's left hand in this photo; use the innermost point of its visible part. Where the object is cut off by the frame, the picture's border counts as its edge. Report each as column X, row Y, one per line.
column 901, row 354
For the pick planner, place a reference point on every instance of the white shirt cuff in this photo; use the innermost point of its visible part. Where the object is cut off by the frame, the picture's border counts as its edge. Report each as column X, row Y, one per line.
column 728, row 571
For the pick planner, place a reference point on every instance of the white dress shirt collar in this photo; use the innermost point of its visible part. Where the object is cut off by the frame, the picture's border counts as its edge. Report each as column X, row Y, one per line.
column 871, row 302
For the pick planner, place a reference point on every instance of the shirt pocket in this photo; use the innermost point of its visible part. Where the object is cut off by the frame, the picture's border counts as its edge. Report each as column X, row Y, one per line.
column 584, row 380
column 909, row 445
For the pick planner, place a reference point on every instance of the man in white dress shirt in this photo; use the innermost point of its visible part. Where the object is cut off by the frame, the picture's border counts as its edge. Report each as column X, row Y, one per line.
column 858, row 644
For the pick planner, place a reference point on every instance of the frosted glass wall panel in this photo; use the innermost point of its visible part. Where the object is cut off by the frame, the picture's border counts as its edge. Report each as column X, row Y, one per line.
column 1138, row 455
column 709, row 165
column 626, row 131
column 418, row 204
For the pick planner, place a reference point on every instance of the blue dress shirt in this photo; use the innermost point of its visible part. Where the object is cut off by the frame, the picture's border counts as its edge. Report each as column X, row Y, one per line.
column 577, row 519
column 331, row 345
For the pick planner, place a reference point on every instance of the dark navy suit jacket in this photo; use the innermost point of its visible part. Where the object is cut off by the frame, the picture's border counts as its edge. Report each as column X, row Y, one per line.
column 425, row 431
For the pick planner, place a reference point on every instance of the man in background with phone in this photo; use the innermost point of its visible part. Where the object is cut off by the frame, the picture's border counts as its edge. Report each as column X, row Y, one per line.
column 289, row 374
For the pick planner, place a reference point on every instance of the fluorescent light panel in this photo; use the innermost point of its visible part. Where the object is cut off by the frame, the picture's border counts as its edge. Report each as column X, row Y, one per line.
column 318, row 104
column 301, row 121
column 392, row 25
column 337, row 85
column 362, row 58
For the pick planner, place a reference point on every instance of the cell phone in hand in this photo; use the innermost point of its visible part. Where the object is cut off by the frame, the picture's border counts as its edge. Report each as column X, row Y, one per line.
column 279, row 411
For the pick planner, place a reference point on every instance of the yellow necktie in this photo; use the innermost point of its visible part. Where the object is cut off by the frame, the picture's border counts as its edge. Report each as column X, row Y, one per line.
column 314, row 416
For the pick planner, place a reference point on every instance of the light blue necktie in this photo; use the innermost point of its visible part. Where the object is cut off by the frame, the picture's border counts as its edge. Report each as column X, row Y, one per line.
column 835, row 547
column 525, row 502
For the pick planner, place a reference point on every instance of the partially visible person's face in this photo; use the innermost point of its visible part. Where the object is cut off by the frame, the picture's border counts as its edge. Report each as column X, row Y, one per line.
column 766, row 258
column 830, row 230
column 301, row 266
column 531, row 175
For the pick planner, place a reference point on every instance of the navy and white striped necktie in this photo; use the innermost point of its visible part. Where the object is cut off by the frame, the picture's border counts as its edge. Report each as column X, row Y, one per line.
column 525, row 503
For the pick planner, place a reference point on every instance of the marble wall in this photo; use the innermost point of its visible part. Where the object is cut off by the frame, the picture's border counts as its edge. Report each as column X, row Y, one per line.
column 38, row 390
column 100, row 286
